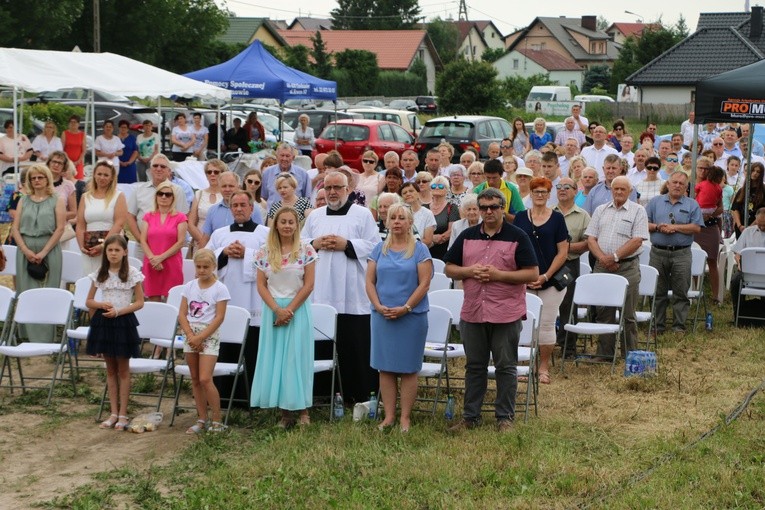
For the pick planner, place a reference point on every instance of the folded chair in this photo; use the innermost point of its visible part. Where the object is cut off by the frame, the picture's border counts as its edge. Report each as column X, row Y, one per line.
column 325, row 330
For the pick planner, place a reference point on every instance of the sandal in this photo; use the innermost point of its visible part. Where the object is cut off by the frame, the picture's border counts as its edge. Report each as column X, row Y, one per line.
column 544, row 377
column 197, row 428
column 217, row 427
column 122, row 423
column 305, row 420
column 110, row 423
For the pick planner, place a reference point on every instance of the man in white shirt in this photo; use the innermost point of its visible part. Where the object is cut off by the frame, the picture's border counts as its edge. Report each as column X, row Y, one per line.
column 570, row 131
column 409, row 162
column 580, row 121
column 757, row 148
column 686, row 130
column 627, row 144
column 638, row 173
column 571, row 147
column 596, row 153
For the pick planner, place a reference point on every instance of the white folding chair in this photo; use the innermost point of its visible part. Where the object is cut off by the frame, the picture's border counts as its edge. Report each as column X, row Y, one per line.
column 10, row 260
column 649, row 279
column 528, row 341
column 752, row 278
column 696, row 292
column 57, row 304
column 645, row 255
column 436, row 343
column 80, row 331
column 730, row 259
column 233, row 330
column 534, row 305
column 584, row 268
column 71, row 267
column 174, row 299
column 189, row 270
column 439, row 266
column 325, row 330
column 440, row 282
column 155, row 320
column 590, row 291
column 7, row 297
column 132, row 248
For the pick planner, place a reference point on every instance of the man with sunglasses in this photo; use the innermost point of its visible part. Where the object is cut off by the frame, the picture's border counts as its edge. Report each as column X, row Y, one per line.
column 495, row 260
column 673, row 219
column 142, row 199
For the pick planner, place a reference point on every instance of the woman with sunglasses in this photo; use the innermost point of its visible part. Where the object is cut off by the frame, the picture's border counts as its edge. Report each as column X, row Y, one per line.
column 253, row 184
column 549, row 235
column 101, row 213
column 652, row 185
column 445, row 213
column 203, row 200
column 162, row 237
column 370, row 182
column 423, row 180
column 615, row 138
column 424, row 221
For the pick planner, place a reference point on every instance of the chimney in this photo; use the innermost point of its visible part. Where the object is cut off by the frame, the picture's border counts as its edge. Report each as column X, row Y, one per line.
column 591, row 22
column 755, row 25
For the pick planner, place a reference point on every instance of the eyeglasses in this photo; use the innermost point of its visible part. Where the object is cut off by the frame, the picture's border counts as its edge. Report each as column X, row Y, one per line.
column 369, row 161
column 671, row 160
column 564, row 187
column 165, row 194
column 490, row 207
column 652, row 168
column 252, row 182
column 37, row 177
column 618, row 128
column 672, row 218
column 56, row 162
column 438, row 186
column 540, row 192
column 476, row 173
column 212, row 172
column 717, row 143
column 505, row 146
column 334, row 188
column 157, row 165
column 422, row 181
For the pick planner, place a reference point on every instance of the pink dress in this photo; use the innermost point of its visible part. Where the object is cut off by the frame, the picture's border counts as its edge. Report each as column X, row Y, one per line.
column 160, row 237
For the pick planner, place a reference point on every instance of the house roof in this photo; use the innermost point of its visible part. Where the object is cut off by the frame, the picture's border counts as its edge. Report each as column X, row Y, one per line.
column 629, row 29
column 395, row 49
column 313, row 24
column 465, row 26
column 721, row 19
column 561, row 27
column 550, row 60
column 711, row 50
column 241, row 30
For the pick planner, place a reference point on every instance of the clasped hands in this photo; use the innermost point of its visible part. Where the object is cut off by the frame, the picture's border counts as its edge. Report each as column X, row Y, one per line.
column 330, row 243
column 392, row 313
column 485, row 273
column 666, row 228
column 110, row 311
column 283, row 316
column 235, row 250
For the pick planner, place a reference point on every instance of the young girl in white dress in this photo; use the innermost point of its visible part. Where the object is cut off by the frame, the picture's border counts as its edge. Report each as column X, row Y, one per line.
column 202, row 310
column 114, row 327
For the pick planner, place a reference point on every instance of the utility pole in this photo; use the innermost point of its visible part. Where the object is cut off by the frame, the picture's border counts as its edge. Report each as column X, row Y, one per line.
column 96, row 27
column 463, row 16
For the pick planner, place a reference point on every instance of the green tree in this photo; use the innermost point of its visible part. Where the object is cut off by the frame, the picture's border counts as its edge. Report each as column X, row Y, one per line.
column 322, row 64
column 492, row 54
column 602, row 23
column 361, row 67
column 41, row 25
column 418, row 68
column 445, row 37
column 297, row 57
column 596, row 77
column 460, row 76
column 375, row 14
column 515, row 89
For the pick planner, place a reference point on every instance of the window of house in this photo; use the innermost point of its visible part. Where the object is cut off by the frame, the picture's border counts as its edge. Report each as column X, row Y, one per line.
column 515, row 63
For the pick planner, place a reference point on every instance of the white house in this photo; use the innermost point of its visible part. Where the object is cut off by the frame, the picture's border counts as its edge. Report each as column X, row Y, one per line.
column 526, row 63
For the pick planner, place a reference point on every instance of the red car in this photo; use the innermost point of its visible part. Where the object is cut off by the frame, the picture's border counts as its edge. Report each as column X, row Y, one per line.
column 355, row 136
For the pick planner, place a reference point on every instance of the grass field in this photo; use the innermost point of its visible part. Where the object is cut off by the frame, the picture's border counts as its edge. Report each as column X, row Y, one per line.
column 600, row 441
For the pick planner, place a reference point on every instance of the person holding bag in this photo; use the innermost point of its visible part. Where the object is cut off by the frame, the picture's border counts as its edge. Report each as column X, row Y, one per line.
column 37, row 227
column 549, row 236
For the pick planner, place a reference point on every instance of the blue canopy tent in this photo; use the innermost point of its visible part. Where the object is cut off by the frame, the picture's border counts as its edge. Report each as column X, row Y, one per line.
column 256, row 73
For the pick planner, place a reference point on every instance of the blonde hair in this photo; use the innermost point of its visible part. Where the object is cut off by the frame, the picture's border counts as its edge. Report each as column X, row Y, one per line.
column 410, row 241
column 111, row 190
column 39, row 168
column 274, row 241
column 206, row 255
column 286, row 177
column 448, row 146
column 163, row 185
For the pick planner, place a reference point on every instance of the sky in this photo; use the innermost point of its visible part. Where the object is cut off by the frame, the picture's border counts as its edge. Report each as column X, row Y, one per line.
column 514, row 14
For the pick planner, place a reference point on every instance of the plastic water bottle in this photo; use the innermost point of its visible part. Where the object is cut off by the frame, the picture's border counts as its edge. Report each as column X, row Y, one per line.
column 373, row 406
column 449, row 413
column 709, row 322
column 339, row 410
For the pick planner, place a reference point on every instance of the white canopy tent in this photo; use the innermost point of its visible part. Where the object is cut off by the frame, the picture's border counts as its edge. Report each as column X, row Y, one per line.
column 40, row 71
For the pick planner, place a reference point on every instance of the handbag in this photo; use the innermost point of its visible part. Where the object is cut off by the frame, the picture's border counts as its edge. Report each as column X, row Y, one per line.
column 68, row 233
column 93, row 238
column 562, row 276
column 37, row 271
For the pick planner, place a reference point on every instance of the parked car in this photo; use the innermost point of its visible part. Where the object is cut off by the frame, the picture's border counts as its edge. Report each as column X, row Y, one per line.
column 300, row 104
column 37, row 125
column 374, row 103
column 318, row 119
column 76, row 94
column 270, row 122
column 427, row 104
column 404, row 104
column 331, row 105
column 406, row 119
column 591, row 98
column 355, row 136
column 462, row 131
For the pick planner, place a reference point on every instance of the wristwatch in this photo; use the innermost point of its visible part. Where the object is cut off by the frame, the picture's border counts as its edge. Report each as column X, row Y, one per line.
column 408, row 308
column 616, row 257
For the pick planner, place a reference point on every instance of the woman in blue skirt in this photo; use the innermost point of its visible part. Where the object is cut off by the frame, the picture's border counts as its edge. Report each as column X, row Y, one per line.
column 398, row 278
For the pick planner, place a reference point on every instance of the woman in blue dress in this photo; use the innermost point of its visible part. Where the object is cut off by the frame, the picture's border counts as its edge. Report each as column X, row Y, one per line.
column 398, row 278
column 284, row 370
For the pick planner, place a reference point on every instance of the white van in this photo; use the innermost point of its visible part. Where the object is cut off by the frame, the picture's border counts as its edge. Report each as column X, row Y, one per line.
column 589, row 98
column 549, row 93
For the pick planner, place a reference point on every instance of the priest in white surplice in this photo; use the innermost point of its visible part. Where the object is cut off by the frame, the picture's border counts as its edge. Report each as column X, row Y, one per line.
column 235, row 246
column 344, row 234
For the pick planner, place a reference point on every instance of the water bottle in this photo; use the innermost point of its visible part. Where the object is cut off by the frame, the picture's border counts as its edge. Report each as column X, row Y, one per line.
column 709, row 322
column 339, row 410
column 449, row 413
column 373, row 406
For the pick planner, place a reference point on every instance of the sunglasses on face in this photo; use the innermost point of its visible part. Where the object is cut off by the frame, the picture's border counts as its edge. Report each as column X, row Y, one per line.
column 652, row 168
column 157, row 165
column 505, row 146
column 717, row 143
column 437, row 186
column 490, row 207
column 422, row 181
column 212, row 172
column 37, row 177
column 252, row 182
column 564, row 187
column 671, row 160
column 368, row 161
column 165, row 194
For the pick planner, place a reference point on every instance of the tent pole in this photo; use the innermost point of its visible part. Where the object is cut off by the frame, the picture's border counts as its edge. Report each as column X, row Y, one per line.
column 219, row 128
column 335, row 104
column 694, row 155
column 15, row 126
column 90, row 113
column 748, row 176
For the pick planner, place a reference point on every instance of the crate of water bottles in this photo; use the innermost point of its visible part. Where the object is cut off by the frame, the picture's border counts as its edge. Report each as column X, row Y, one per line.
column 640, row 363
column 5, row 198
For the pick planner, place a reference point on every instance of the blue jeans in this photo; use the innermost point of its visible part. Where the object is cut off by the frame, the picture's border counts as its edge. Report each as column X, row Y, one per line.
column 501, row 340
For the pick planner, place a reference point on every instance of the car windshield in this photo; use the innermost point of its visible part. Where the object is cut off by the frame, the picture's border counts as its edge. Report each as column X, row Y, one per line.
column 446, row 129
column 540, row 96
column 345, row 132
